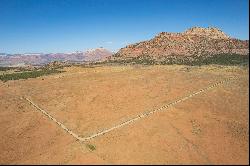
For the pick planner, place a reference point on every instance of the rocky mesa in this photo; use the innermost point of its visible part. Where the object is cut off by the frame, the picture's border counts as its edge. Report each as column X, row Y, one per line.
column 194, row 42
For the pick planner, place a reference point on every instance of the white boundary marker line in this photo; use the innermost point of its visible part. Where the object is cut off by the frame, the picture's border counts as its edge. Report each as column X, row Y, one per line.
column 142, row 115
column 57, row 122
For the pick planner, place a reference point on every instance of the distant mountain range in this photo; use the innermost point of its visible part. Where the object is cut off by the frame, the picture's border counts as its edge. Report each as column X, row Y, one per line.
column 97, row 54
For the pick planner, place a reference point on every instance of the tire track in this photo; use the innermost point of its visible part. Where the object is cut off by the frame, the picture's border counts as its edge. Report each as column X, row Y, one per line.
column 138, row 117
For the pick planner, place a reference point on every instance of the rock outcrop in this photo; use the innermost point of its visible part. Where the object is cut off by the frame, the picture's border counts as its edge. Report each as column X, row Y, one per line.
column 193, row 42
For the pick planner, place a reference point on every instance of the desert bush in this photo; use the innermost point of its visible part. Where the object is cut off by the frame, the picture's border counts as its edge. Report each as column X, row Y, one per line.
column 91, row 147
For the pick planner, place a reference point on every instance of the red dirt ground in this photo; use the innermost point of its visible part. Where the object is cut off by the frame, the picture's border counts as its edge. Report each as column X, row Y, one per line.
column 210, row 128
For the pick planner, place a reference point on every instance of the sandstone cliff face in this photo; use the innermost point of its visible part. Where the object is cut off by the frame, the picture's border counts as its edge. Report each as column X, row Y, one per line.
column 193, row 42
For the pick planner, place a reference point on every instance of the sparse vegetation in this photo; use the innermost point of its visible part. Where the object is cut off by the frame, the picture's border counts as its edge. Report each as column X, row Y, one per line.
column 121, row 89
column 27, row 74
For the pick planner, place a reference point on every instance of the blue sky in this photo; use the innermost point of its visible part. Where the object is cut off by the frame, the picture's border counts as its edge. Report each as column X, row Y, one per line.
column 70, row 25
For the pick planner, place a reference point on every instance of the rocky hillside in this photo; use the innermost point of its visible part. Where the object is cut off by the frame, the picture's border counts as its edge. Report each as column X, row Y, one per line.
column 97, row 54
column 194, row 42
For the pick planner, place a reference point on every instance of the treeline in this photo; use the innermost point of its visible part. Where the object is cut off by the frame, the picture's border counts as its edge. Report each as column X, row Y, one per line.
column 219, row 59
column 27, row 74
column 6, row 68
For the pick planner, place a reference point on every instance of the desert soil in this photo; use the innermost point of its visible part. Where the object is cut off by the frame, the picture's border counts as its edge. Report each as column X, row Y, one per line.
column 209, row 128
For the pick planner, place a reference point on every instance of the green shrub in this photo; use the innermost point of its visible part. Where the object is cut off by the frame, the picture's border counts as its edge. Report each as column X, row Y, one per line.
column 91, row 147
